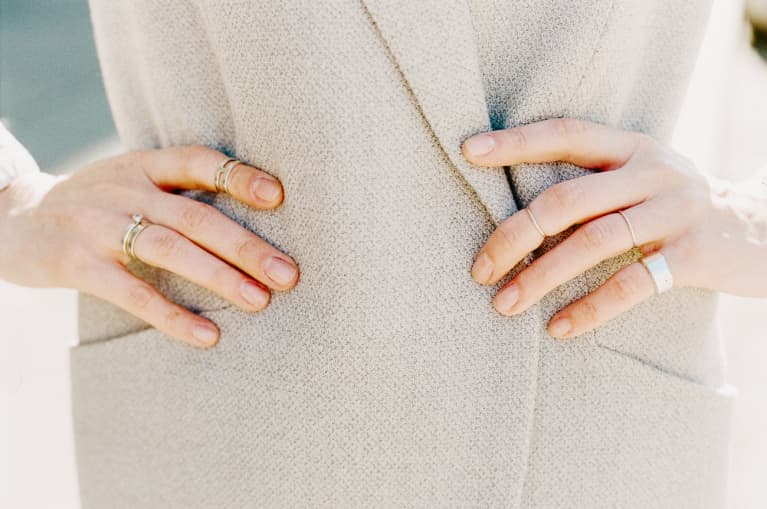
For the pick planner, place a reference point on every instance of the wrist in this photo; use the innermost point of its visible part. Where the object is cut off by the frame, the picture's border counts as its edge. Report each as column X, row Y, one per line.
column 25, row 191
column 748, row 198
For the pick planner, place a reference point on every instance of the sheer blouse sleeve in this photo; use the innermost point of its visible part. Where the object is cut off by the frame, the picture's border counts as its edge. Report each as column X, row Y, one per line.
column 14, row 158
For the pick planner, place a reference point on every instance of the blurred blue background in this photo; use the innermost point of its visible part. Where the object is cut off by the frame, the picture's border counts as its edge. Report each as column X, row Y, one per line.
column 52, row 99
column 51, row 94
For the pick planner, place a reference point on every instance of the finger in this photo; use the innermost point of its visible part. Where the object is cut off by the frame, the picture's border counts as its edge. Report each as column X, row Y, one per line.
column 169, row 250
column 118, row 286
column 623, row 290
column 556, row 209
column 218, row 234
column 577, row 201
column 584, row 143
column 590, row 244
column 507, row 245
column 194, row 167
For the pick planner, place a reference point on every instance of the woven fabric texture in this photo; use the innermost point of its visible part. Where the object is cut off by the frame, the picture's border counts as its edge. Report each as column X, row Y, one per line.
column 385, row 378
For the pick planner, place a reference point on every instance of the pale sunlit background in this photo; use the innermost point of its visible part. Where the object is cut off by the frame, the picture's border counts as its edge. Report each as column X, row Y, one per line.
column 51, row 97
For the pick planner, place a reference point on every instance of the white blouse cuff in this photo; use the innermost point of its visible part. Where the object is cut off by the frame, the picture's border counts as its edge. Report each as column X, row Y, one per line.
column 15, row 160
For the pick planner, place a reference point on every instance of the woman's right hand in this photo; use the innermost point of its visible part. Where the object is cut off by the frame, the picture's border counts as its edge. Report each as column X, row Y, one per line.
column 67, row 230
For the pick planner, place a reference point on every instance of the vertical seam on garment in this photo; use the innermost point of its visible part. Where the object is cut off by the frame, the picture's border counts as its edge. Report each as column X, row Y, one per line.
column 421, row 114
column 597, row 46
column 435, row 138
column 531, row 417
column 541, row 335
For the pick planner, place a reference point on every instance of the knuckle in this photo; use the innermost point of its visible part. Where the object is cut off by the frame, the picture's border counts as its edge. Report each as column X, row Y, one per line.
column 196, row 156
column 140, row 295
column 693, row 248
column 507, row 235
column 534, row 276
column 586, row 312
column 165, row 243
column 76, row 265
column 247, row 249
column 197, row 152
column 220, row 277
column 131, row 159
column 596, row 234
column 671, row 167
column 173, row 319
column 570, row 132
column 194, row 215
column 693, row 201
column 624, row 286
column 565, row 196
column 570, row 128
column 515, row 138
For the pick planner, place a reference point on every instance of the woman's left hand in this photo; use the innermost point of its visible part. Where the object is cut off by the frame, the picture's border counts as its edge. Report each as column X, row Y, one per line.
column 712, row 232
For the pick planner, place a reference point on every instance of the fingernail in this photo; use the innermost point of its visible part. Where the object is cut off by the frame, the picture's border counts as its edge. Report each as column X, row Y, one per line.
column 482, row 268
column 479, row 145
column 254, row 294
column 204, row 333
column 560, row 327
column 267, row 189
column 280, row 271
column 506, row 298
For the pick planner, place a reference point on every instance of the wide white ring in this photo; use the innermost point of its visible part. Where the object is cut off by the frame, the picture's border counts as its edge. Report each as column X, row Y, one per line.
column 658, row 268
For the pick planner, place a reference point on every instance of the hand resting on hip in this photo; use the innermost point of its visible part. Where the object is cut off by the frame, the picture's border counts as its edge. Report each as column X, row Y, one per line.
column 67, row 231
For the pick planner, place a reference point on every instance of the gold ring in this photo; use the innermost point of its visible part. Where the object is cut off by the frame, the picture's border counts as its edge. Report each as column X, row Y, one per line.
column 221, row 178
column 631, row 228
column 535, row 223
column 129, row 239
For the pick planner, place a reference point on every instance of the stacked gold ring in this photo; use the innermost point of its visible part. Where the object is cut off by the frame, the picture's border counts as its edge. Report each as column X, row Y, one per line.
column 129, row 239
column 221, row 179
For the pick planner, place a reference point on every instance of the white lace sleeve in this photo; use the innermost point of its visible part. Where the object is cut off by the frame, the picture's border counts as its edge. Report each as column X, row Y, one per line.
column 14, row 158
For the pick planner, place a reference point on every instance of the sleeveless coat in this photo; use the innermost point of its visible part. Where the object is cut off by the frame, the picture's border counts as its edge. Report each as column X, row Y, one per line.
column 385, row 378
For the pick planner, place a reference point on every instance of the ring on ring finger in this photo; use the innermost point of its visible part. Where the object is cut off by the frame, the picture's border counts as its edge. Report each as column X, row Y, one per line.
column 170, row 250
column 138, row 225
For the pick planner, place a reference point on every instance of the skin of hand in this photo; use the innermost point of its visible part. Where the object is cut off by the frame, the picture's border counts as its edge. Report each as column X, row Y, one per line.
column 66, row 231
column 712, row 232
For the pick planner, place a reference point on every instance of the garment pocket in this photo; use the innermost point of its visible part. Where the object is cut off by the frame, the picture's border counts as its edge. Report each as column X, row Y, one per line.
column 156, row 419
column 676, row 332
column 615, row 431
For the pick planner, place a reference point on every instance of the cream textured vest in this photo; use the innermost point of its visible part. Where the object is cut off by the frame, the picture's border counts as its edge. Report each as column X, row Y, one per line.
column 385, row 378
